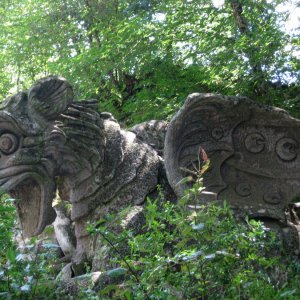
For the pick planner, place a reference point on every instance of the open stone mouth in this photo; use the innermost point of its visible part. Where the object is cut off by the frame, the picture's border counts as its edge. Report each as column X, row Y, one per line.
column 33, row 200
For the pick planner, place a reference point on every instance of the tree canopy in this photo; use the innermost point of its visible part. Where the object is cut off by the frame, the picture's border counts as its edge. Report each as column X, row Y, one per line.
column 141, row 58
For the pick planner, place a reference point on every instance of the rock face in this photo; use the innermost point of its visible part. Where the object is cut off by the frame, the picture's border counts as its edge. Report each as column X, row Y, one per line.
column 152, row 133
column 46, row 137
column 49, row 142
column 254, row 153
column 64, row 231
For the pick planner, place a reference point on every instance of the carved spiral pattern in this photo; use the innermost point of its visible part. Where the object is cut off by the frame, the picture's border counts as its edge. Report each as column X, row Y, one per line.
column 255, row 142
column 272, row 197
column 8, row 143
column 217, row 133
column 243, row 189
column 286, row 149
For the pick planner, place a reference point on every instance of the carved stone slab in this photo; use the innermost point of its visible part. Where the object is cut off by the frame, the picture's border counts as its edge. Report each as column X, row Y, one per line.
column 253, row 150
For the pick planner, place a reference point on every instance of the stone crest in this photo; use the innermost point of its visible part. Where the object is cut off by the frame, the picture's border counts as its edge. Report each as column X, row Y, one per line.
column 253, row 150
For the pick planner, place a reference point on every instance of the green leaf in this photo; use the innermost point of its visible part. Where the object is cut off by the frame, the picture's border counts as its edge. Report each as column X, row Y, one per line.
column 288, row 293
column 11, row 255
column 116, row 272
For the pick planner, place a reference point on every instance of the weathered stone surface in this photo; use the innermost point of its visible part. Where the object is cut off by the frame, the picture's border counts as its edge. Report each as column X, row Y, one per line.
column 64, row 229
column 46, row 137
column 253, row 150
column 152, row 133
column 65, row 274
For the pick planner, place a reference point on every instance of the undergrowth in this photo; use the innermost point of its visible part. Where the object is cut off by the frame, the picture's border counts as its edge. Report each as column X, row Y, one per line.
column 201, row 254
column 26, row 269
column 183, row 252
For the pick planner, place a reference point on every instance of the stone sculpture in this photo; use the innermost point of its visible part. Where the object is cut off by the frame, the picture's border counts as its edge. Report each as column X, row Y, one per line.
column 47, row 138
column 254, row 153
column 48, row 142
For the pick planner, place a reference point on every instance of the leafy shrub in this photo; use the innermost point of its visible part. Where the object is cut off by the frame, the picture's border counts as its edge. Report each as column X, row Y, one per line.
column 25, row 272
column 201, row 254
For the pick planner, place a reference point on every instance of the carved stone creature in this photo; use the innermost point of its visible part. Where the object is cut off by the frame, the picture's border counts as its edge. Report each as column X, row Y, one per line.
column 45, row 135
column 50, row 142
column 253, row 150
column 254, row 154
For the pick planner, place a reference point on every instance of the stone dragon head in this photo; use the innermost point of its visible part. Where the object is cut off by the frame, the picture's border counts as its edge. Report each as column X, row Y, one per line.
column 45, row 136
column 27, row 135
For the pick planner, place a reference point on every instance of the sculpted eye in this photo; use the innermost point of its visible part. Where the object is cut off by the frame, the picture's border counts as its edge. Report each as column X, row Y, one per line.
column 8, row 143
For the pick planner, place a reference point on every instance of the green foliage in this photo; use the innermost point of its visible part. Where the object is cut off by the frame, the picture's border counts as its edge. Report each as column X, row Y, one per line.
column 7, row 213
column 140, row 59
column 203, row 253
column 25, row 273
